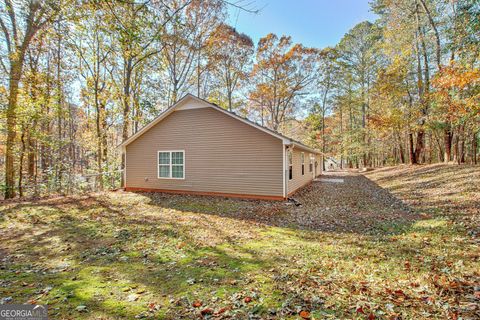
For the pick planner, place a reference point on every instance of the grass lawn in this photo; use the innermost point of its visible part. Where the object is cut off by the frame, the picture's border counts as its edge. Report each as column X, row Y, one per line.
column 352, row 250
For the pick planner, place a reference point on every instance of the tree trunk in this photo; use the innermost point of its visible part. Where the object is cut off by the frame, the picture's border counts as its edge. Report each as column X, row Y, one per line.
column 401, row 151
column 461, row 145
column 230, row 103
column 15, row 74
column 60, row 156
column 413, row 158
column 98, row 123
column 474, row 148
column 455, row 147
column 447, row 138
column 20, row 165
column 126, row 99
column 31, row 156
column 104, row 139
column 419, row 146
column 126, row 108
column 436, row 33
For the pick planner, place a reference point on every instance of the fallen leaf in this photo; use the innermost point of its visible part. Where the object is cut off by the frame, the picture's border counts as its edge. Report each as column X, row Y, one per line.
column 305, row 314
column 206, row 311
column 197, row 304
column 181, row 245
column 152, row 306
column 222, row 310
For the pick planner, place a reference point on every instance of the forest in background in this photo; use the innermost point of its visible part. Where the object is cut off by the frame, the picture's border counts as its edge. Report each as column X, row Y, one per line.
column 77, row 77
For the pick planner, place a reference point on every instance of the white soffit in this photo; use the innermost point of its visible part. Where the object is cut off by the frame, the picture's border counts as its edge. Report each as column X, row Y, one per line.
column 192, row 104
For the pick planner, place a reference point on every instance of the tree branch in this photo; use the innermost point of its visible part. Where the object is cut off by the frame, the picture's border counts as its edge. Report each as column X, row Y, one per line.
column 7, row 36
column 241, row 6
column 11, row 14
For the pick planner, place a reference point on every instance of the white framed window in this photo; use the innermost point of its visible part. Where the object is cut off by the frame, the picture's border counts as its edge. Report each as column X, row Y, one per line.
column 303, row 163
column 171, row 164
column 290, row 165
column 312, row 159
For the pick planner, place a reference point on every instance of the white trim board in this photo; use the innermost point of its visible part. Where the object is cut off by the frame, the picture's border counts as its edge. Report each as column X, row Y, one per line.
column 171, row 165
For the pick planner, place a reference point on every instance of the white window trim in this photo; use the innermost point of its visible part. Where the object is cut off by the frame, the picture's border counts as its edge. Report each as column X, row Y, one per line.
column 312, row 162
column 290, row 163
column 171, row 165
column 302, row 159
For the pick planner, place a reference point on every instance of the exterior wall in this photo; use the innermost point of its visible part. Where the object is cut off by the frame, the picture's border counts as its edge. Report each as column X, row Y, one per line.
column 298, row 179
column 318, row 159
column 222, row 155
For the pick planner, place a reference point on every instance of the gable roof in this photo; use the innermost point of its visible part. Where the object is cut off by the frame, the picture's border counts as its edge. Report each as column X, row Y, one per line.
column 178, row 105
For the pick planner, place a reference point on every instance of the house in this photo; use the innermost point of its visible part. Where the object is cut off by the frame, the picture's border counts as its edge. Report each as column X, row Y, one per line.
column 331, row 164
column 196, row 147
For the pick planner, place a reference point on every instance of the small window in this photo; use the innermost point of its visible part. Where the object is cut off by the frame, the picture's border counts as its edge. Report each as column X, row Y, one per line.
column 171, row 164
column 290, row 165
column 312, row 159
column 164, row 164
column 303, row 163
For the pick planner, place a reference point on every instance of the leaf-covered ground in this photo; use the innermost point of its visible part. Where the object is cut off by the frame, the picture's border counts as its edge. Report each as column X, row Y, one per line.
column 352, row 250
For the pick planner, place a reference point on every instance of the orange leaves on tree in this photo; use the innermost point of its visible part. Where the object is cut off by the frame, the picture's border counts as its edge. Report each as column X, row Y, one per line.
column 457, row 91
column 282, row 71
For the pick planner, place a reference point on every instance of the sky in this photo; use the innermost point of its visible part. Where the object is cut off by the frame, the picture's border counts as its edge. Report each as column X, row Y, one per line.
column 314, row 23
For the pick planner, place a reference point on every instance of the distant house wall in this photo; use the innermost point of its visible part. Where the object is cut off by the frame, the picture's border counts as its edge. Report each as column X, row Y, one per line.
column 298, row 180
column 318, row 159
column 222, row 155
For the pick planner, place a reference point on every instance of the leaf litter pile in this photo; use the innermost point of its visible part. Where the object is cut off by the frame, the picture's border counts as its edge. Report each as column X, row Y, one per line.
column 395, row 243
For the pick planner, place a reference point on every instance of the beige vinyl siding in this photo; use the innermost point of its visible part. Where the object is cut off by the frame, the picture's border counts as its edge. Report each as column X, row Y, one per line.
column 318, row 159
column 299, row 180
column 222, row 155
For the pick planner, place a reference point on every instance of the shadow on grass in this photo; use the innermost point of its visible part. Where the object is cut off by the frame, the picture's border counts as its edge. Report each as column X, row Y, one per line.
column 358, row 205
column 157, row 243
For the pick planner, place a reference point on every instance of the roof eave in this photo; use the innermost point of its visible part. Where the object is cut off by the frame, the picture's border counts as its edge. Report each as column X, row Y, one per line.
column 152, row 123
column 303, row 147
column 285, row 140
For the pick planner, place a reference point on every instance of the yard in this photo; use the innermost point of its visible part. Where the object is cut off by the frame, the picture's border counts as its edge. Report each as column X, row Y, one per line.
column 351, row 250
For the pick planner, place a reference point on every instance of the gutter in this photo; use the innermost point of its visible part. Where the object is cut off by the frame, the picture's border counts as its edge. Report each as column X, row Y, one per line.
column 292, row 143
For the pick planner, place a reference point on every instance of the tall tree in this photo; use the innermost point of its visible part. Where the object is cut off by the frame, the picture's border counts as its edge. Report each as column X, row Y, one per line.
column 328, row 72
column 25, row 18
column 95, row 51
column 230, row 59
column 358, row 51
column 282, row 74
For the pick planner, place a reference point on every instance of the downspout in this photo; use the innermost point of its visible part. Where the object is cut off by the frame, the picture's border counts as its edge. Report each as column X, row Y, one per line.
column 124, row 173
column 284, row 147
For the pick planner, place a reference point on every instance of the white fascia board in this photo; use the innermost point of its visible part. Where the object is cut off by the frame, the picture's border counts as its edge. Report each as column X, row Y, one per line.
column 285, row 141
column 163, row 115
column 301, row 146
